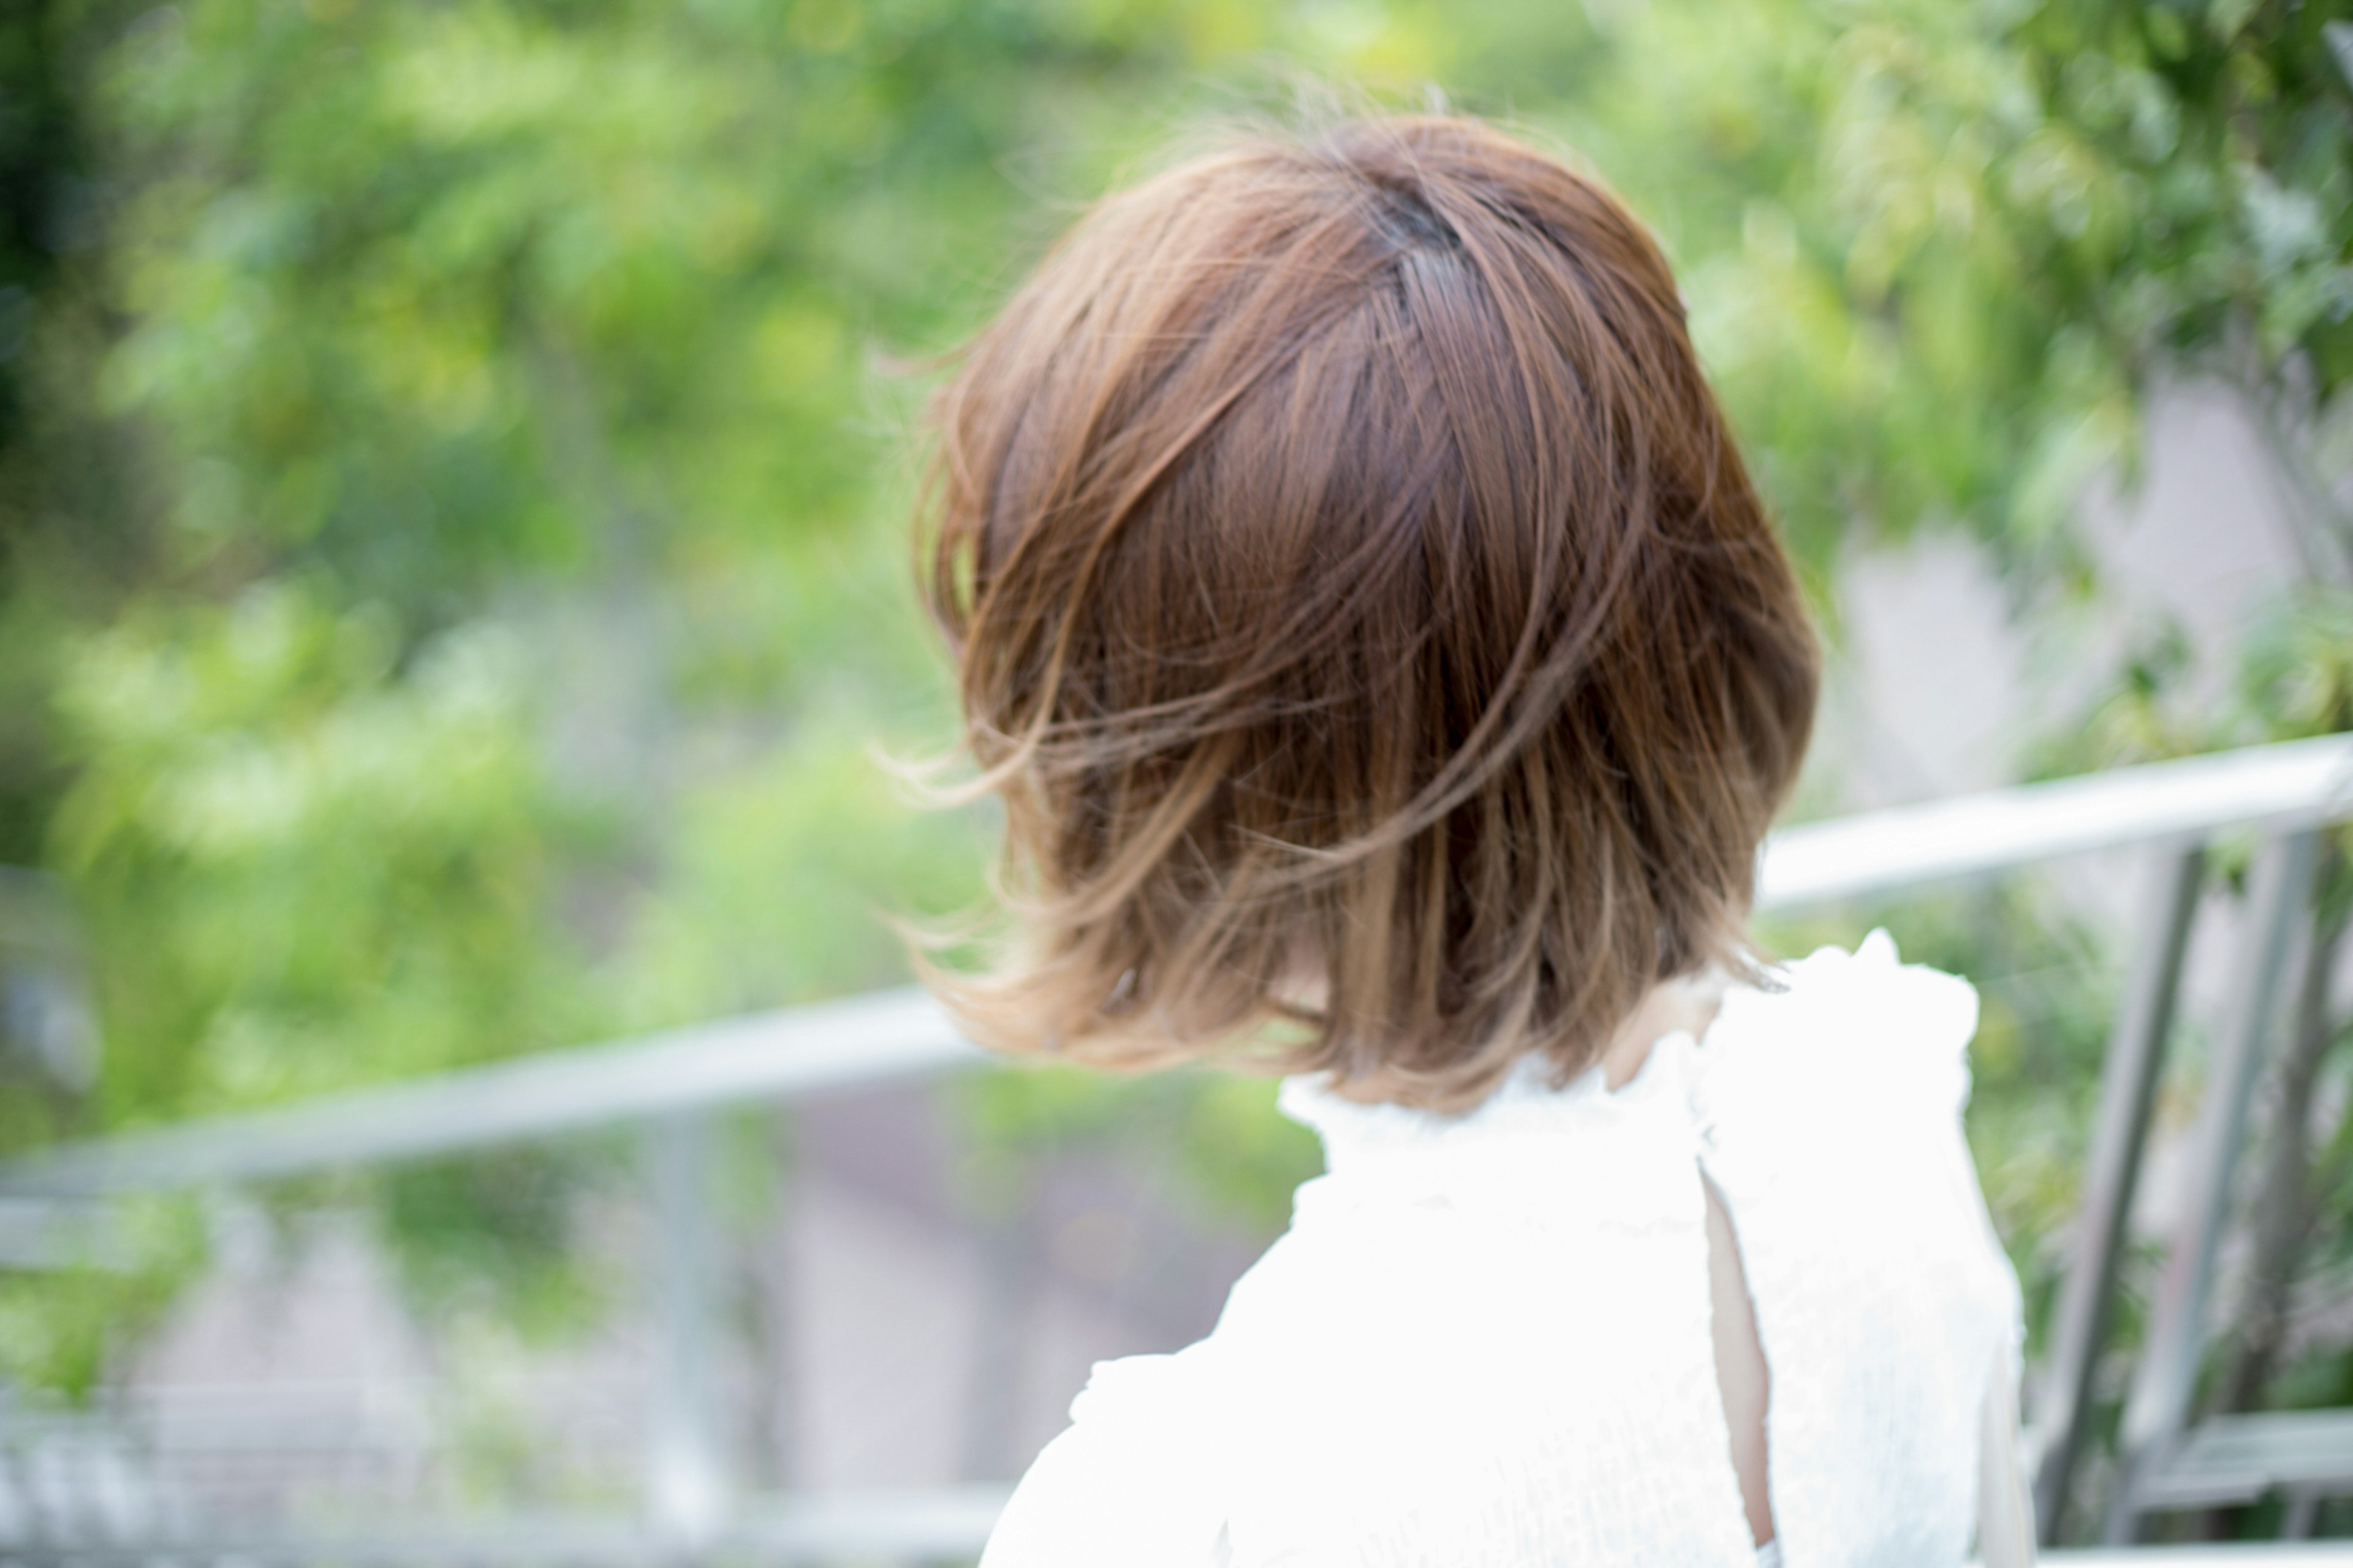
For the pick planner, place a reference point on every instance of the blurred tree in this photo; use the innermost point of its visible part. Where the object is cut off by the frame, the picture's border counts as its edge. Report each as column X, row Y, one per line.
column 41, row 179
column 1940, row 255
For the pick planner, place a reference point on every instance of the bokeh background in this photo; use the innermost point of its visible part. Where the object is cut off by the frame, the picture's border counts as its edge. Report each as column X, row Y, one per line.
column 454, row 460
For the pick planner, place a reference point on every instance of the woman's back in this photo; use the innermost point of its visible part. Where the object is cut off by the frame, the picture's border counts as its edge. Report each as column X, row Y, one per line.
column 1488, row 1339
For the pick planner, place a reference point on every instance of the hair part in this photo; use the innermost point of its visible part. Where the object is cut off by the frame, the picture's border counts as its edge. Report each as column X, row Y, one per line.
column 1365, row 614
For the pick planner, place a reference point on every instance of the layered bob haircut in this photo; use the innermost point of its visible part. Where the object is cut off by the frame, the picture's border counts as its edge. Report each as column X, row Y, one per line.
column 1384, row 659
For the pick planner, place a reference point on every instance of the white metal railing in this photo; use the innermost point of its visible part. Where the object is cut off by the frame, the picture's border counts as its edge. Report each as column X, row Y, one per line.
column 672, row 1084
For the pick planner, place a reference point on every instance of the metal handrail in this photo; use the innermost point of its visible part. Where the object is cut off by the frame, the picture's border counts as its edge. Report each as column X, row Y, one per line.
column 948, row 1523
column 901, row 1033
column 862, row 1040
column 2270, row 789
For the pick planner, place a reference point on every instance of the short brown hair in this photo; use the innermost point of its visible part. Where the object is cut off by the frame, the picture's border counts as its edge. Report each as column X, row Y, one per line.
column 1368, row 622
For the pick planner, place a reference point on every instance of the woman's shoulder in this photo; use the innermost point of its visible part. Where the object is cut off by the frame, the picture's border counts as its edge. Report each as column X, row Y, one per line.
column 1836, row 1027
column 1830, row 1109
column 1830, row 1105
column 1845, row 1062
column 1136, row 1478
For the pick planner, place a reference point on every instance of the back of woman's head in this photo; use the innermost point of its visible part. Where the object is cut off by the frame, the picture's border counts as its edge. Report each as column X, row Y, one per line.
column 1366, row 616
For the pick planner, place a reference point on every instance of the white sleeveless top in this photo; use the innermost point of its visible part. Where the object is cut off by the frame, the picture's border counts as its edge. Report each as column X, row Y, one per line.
column 1486, row 1340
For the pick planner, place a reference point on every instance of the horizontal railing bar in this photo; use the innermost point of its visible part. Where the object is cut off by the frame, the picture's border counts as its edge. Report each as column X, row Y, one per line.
column 2241, row 1457
column 524, row 1543
column 903, row 1033
column 768, row 1056
column 2236, row 1554
column 943, row 1521
column 953, row 1522
column 2297, row 783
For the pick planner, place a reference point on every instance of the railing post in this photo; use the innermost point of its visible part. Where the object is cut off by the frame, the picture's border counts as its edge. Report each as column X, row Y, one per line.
column 687, row 1479
column 2166, row 1381
column 2128, row 1079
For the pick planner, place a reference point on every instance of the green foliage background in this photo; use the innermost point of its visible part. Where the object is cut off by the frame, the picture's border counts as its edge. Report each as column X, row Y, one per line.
column 453, row 455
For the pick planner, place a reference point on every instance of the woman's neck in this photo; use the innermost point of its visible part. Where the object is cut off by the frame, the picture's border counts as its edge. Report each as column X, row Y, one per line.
column 1676, row 1007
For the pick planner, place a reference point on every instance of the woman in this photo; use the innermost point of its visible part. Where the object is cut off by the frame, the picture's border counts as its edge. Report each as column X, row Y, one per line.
column 1390, row 672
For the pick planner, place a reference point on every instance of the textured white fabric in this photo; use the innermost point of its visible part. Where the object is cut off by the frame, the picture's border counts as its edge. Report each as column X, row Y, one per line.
column 1486, row 1340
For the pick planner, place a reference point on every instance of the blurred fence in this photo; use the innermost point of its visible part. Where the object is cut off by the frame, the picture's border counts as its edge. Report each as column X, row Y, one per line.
column 120, row 1483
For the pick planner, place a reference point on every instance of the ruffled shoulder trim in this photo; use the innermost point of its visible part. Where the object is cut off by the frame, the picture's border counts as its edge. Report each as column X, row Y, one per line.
column 1843, row 1022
